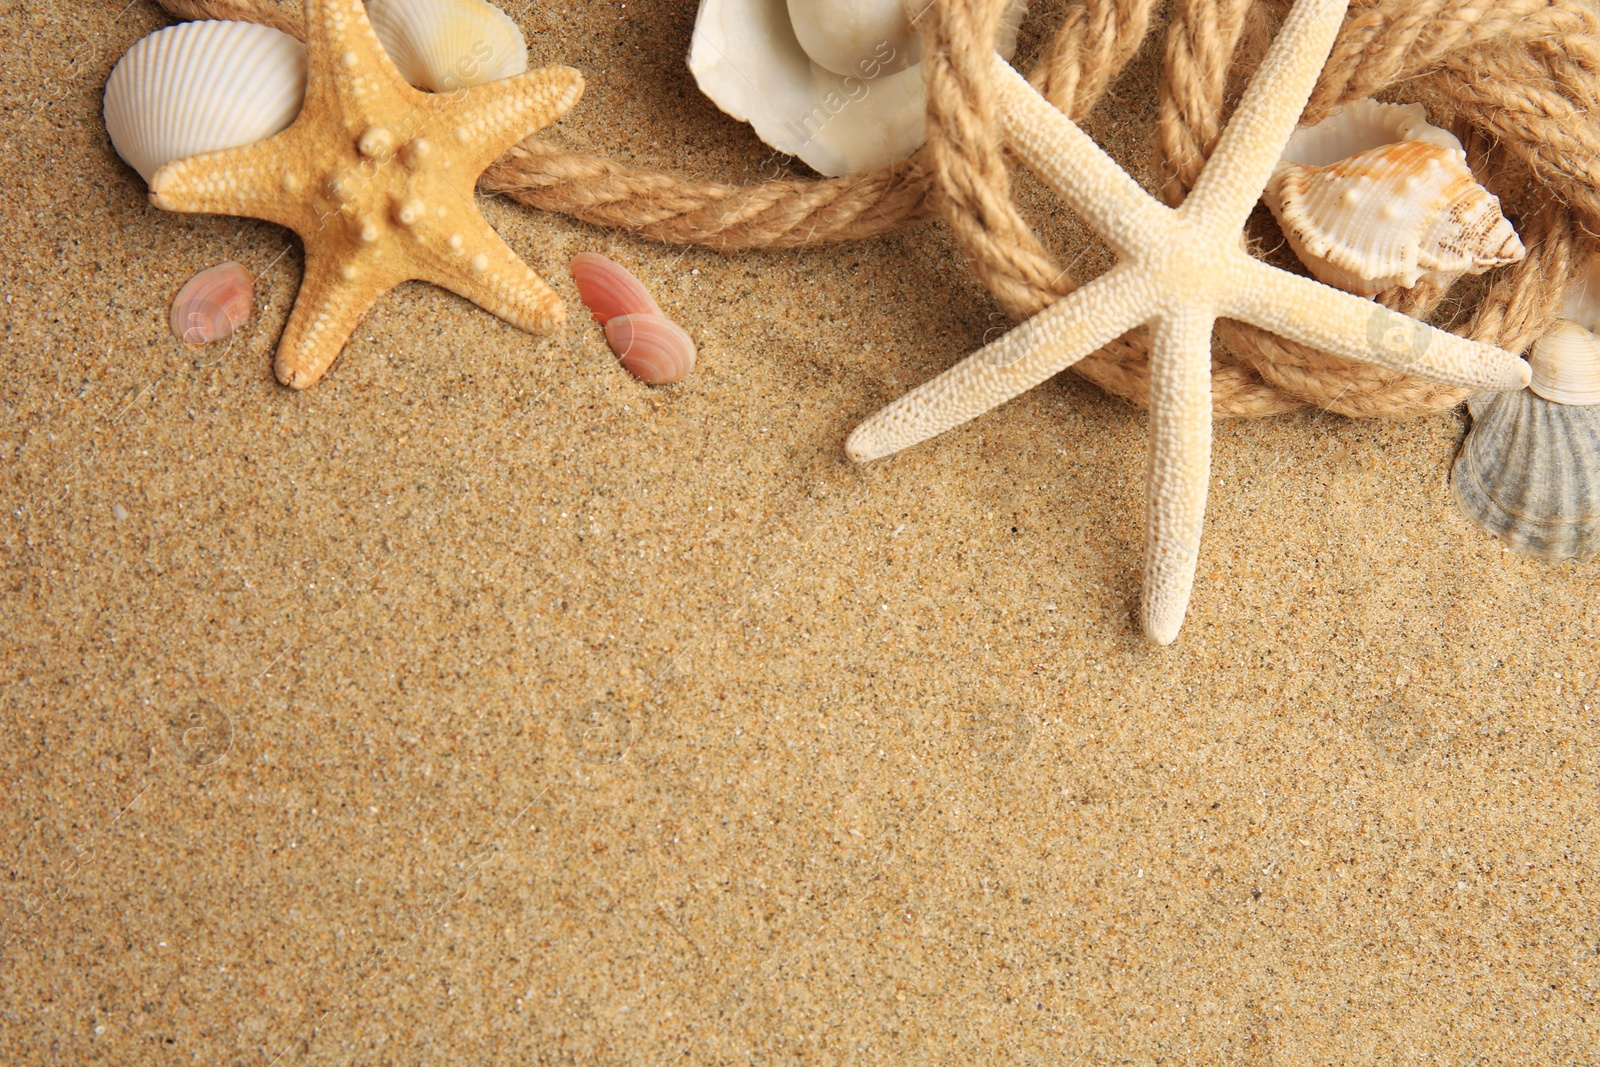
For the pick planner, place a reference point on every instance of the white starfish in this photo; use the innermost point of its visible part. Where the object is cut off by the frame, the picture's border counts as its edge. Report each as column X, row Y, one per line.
column 1178, row 270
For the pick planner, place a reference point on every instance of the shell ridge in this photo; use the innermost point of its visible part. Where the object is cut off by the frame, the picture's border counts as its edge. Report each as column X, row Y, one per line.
column 1529, row 472
column 200, row 87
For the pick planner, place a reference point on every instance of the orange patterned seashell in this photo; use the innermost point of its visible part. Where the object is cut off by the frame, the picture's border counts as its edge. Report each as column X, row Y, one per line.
column 608, row 289
column 213, row 304
column 1375, row 197
column 652, row 348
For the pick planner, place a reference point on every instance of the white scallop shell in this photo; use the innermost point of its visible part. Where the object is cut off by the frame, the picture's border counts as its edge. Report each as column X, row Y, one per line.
column 202, row 86
column 1529, row 473
column 1374, row 197
column 443, row 45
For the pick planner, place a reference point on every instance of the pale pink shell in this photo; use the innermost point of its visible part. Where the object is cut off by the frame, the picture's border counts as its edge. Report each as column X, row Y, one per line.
column 609, row 290
column 652, row 348
column 213, row 304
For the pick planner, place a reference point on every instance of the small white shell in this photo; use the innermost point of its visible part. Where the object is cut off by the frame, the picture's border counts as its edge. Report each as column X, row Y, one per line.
column 443, row 45
column 202, row 86
column 746, row 56
column 1529, row 473
column 1566, row 365
column 213, row 304
column 1374, row 197
column 652, row 348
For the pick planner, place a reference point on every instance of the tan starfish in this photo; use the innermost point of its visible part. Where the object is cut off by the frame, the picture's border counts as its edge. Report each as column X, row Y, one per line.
column 377, row 178
column 1178, row 270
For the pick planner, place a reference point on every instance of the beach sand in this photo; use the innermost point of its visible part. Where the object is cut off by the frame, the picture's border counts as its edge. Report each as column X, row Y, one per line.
column 482, row 705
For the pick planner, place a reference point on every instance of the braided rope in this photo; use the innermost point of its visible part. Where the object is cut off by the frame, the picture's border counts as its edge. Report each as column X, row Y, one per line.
column 1520, row 77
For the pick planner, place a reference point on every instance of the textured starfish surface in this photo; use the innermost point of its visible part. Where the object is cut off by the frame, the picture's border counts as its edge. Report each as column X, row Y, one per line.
column 1178, row 270
column 377, row 179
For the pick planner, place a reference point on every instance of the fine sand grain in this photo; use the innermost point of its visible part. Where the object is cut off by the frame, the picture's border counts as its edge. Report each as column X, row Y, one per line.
column 482, row 705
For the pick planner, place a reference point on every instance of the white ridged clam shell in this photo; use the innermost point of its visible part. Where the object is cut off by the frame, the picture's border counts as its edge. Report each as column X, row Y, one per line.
column 1529, row 473
column 442, row 45
column 202, row 86
column 1566, row 365
column 1374, row 197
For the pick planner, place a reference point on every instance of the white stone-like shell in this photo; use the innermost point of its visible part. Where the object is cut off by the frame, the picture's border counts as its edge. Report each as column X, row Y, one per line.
column 442, row 45
column 202, row 86
column 836, row 34
column 747, row 57
column 1529, row 473
column 1374, row 197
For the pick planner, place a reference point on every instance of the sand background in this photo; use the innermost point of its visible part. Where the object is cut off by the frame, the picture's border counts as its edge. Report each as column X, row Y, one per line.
column 482, row 705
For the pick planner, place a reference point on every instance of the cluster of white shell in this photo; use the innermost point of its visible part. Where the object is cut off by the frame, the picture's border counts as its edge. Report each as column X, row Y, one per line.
column 204, row 86
column 1529, row 470
column 834, row 82
column 1374, row 197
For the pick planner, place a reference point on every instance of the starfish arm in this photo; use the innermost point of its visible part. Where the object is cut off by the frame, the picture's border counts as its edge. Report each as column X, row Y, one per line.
column 1249, row 148
column 1179, row 466
column 1082, row 174
column 338, row 36
column 232, row 181
column 332, row 299
column 487, row 119
column 1326, row 319
column 1046, row 344
column 488, row 273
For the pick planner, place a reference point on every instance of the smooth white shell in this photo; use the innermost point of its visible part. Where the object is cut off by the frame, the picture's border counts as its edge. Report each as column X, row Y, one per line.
column 213, row 304
column 1374, row 197
column 202, row 86
column 1566, row 365
column 838, row 34
column 652, row 348
column 1529, row 473
column 441, row 45
column 746, row 57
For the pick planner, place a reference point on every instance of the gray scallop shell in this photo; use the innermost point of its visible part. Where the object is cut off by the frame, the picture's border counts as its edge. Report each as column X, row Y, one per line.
column 1529, row 473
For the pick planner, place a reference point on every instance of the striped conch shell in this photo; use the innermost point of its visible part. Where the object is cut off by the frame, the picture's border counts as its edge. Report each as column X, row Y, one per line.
column 1529, row 471
column 1374, row 197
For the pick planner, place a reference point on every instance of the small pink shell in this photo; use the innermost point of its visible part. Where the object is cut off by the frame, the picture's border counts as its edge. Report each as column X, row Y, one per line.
column 609, row 290
column 213, row 304
column 652, row 348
